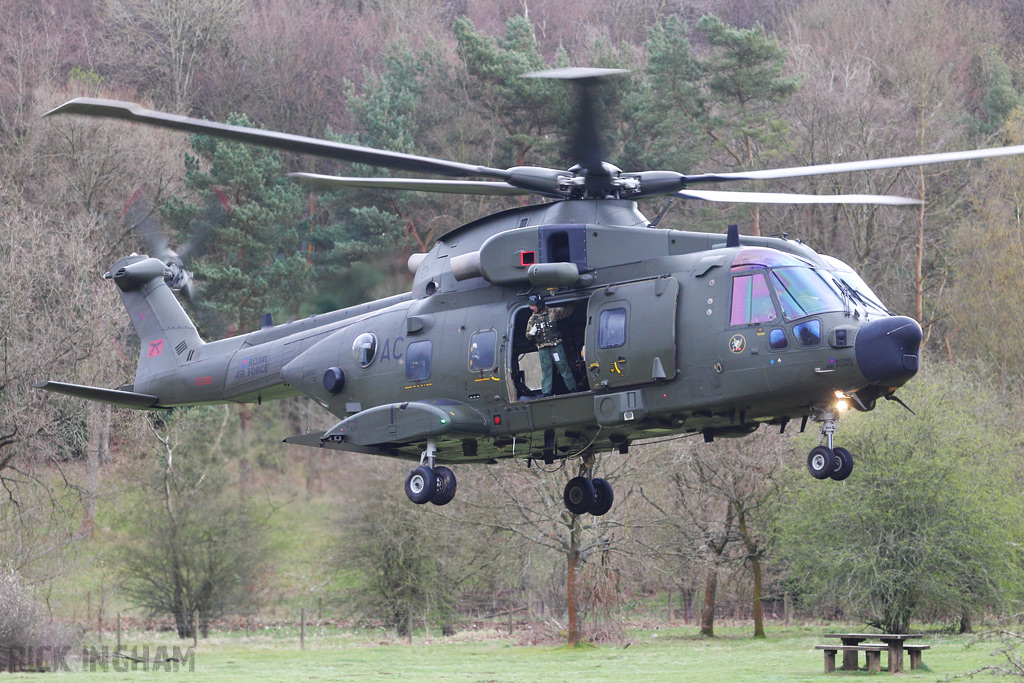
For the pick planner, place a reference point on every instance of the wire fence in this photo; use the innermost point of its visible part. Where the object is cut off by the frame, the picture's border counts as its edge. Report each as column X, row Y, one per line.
column 503, row 614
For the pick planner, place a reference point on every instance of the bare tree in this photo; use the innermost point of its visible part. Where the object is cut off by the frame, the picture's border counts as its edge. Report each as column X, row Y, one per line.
column 41, row 43
column 720, row 502
column 58, row 318
column 527, row 505
column 984, row 299
column 204, row 545
column 411, row 565
column 285, row 66
column 886, row 80
column 44, row 276
column 161, row 43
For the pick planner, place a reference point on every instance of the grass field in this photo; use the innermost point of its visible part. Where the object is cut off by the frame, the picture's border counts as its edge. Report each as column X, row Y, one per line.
column 670, row 654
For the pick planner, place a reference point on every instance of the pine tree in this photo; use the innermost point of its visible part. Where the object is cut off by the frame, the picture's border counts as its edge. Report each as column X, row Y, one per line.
column 250, row 221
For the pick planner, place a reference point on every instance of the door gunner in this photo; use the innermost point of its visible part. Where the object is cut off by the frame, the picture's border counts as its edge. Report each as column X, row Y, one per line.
column 542, row 328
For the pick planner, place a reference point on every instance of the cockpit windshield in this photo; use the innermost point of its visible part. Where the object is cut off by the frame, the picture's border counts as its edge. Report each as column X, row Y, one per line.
column 804, row 291
column 800, row 288
column 860, row 290
column 750, row 258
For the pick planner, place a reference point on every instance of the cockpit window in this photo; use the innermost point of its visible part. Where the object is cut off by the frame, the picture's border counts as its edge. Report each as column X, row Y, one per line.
column 808, row 334
column 751, row 301
column 750, row 258
column 777, row 340
column 803, row 292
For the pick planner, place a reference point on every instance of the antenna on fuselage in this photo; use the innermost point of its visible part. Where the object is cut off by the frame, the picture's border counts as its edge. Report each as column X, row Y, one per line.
column 732, row 236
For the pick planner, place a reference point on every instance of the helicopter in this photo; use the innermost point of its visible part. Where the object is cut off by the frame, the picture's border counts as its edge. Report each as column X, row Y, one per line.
column 669, row 332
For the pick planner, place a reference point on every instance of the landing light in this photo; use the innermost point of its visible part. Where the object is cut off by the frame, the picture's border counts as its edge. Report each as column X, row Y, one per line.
column 842, row 405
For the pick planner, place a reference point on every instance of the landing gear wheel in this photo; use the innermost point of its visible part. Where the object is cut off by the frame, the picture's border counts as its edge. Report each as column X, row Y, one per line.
column 445, row 489
column 578, row 495
column 821, row 462
column 603, row 497
column 843, row 463
column 420, row 485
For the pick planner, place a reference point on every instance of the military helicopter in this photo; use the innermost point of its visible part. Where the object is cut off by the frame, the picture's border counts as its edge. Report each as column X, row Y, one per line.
column 672, row 331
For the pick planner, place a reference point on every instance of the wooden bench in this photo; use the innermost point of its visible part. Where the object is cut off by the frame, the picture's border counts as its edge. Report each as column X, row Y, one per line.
column 872, row 652
column 915, row 654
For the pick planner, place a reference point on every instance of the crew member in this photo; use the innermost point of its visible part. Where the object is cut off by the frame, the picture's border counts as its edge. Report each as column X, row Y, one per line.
column 542, row 328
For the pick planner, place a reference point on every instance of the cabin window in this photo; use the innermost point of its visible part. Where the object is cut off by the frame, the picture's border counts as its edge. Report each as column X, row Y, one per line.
column 751, row 301
column 777, row 340
column 808, row 333
column 364, row 349
column 417, row 360
column 611, row 328
column 482, row 347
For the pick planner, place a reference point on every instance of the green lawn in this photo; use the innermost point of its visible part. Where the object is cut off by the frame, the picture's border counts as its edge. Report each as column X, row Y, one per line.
column 672, row 654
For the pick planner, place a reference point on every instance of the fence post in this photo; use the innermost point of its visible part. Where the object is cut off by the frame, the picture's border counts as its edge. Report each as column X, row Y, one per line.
column 302, row 629
column 118, row 631
column 195, row 627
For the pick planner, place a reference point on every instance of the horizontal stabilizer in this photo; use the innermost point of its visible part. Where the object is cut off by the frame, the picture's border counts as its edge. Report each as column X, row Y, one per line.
column 116, row 397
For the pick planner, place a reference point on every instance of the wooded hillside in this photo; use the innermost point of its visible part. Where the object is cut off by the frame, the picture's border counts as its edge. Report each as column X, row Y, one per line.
column 715, row 86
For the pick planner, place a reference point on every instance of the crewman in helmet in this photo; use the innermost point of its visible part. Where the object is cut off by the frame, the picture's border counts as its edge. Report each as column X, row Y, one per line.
column 542, row 328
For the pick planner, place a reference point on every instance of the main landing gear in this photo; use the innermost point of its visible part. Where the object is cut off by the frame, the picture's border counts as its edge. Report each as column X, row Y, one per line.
column 825, row 462
column 586, row 493
column 427, row 483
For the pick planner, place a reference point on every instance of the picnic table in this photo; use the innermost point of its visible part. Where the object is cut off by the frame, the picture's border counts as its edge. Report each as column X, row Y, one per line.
column 852, row 646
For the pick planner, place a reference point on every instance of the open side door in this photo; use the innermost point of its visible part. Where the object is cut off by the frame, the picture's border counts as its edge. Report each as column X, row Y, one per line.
column 631, row 333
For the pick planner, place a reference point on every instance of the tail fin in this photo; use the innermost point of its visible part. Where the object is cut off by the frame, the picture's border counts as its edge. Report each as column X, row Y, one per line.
column 169, row 339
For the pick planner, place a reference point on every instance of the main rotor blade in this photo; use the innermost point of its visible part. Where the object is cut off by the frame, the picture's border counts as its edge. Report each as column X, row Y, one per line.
column 129, row 111
column 586, row 141
column 784, row 198
column 586, row 144
column 575, row 73
column 587, row 149
column 850, row 166
column 483, row 187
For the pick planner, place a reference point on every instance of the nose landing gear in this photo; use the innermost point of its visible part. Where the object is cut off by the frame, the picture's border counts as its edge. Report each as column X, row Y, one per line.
column 427, row 483
column 828, row 462
column 586, row 493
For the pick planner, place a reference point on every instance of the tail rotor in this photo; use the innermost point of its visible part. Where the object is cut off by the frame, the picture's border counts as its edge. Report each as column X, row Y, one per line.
column 140, row 216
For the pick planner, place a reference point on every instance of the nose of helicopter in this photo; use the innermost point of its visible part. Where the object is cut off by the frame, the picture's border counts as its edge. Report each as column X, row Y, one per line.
column 888, row 350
